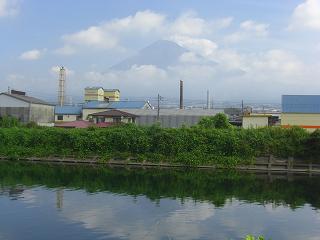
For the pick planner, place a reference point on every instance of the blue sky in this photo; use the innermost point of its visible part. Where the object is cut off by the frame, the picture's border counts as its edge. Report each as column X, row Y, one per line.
column 262, row 48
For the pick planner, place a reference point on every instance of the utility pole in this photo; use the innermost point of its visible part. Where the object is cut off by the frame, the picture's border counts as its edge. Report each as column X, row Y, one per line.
column 181, row 94
column 208, row 99
column 242, row 108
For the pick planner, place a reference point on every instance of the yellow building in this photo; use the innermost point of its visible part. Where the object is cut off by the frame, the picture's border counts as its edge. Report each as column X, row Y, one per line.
column 112, row 94
column 93, row 94
column 302, row 111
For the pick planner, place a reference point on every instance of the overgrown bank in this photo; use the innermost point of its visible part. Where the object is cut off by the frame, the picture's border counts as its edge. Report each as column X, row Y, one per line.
column 200, row 145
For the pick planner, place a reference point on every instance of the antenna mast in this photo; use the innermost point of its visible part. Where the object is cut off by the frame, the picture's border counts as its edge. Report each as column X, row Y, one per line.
column 62, row 80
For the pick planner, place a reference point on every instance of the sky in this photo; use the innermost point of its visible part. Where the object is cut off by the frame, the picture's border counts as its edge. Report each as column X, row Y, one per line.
column 237, row 49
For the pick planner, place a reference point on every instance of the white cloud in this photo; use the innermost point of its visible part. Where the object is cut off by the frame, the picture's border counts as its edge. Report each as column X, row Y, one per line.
column 248, row 29
column 107, row 35
column 201, row 46
column 8, row 8
column 147, row 25
column 280, row 62
column 32, row 54
column 306, row 16
column 190, row 25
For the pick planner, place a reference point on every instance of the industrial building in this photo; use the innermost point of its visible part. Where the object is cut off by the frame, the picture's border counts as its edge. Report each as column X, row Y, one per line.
column 100, row 94
column 25, row 108
column 301, row 110
column 112, row 95
column 171, row 118
column 256, row 121
column 67, row 113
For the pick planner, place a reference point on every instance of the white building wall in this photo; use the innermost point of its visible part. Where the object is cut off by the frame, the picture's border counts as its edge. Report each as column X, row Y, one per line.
column 41, row 113
column 66, row 118
column 254, row 122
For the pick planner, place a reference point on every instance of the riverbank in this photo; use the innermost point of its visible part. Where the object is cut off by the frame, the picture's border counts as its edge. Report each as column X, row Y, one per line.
column 262, row 165
column 188, row 146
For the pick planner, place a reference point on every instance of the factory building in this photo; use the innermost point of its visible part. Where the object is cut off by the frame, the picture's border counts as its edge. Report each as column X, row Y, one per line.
column 25, row 108
column 100, row 94
column 93, row 94
column 111, row 95
column 256, row 121
column 301, row 110
column 171, row 118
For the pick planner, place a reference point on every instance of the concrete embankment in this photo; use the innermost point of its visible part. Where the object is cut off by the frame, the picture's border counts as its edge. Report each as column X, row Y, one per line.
column 261, row 165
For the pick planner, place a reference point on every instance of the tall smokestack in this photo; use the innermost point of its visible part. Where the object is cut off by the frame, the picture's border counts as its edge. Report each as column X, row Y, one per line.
column 181, row 94
column 62, row 80
column 208, row 99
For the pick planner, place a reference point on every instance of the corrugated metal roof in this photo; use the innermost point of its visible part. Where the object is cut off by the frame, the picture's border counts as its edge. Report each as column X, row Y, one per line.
column 174, row 112
column 115, row 105
column 27, row 99
column 301, row 103
column 96, row 104
column 127, row 104
column 68, row 110
column 111, row 90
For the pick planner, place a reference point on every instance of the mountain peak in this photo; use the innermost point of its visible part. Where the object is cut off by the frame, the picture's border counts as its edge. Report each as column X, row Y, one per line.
column 162, row 53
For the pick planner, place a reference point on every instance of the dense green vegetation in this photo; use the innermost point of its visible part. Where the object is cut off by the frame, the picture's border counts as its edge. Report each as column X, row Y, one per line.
column 213, row 141
column 216, row 187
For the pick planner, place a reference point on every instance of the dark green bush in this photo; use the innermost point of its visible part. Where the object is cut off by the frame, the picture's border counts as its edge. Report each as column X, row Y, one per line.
column 191, row 146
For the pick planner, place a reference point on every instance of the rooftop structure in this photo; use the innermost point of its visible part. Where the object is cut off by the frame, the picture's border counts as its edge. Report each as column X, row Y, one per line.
column 301, row 103
column 117, row 105
column 68, row 110
column 101, row 94
column 26, row 108
column 26, row 98
column 301, row 110
column 113, row 113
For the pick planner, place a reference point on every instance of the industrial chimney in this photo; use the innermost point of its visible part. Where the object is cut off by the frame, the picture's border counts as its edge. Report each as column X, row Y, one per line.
column 62, row 80
column 208, row 99
column 181, row 94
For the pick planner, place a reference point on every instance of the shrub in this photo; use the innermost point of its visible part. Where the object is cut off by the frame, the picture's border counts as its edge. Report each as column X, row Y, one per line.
column 7, row 122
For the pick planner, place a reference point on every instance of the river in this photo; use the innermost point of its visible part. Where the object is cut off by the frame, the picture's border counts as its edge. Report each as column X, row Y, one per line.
column 85, row 202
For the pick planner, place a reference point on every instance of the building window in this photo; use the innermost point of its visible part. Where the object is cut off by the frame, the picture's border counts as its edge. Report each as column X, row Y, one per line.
column 117, row 119
column 60, row 117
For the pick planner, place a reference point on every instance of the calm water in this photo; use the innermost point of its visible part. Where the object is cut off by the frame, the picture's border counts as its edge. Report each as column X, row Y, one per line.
column 56, row 202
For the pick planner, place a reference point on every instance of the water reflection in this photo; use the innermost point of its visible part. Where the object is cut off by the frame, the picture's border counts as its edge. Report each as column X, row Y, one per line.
column 100, row 203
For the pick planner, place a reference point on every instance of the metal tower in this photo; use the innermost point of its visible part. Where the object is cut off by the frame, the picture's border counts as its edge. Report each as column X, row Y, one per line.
column 62, row 80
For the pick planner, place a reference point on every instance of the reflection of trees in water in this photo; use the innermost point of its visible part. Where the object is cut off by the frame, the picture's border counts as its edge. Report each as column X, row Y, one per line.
column 216, row 187
column 14, row 193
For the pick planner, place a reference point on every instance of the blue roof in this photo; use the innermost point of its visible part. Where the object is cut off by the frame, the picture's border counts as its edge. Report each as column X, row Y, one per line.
column 116, row 104
column 68, row 110
column 96, row 104
column 301, row 103
column 127, row 104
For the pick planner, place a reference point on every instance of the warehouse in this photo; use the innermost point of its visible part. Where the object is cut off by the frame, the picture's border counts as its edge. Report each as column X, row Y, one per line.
column 25, row 108
column 171, row 118
column 301, row 110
